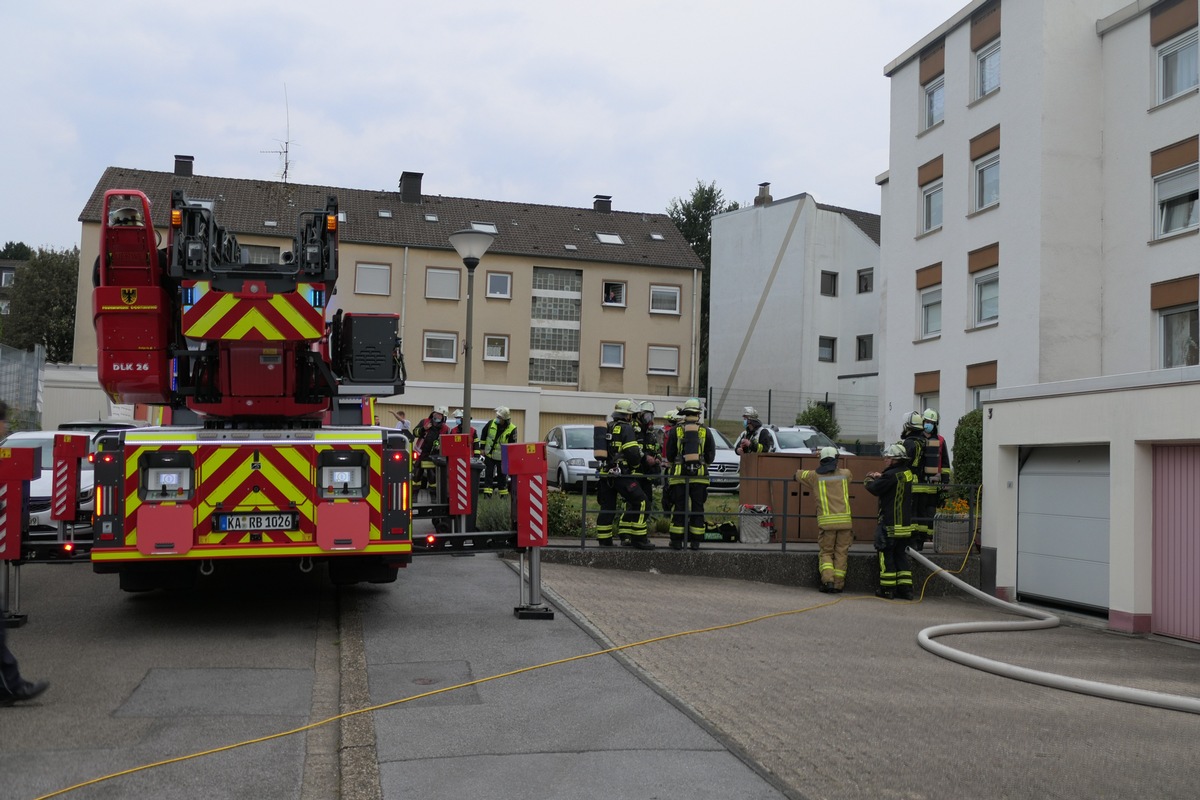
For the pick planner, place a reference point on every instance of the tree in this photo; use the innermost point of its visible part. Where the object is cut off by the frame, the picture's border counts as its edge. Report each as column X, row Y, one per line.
column 968, row 449
column 693, row 217
column 818, row 416
column 42, row 304
column 16, row 251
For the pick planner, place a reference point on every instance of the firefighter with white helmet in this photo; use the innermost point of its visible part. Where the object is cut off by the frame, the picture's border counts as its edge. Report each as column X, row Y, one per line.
column 427, row 444
column 623, row 454
column 649, row 438
column 829, row 488
column 755, row 437
column 498, row 432
column 689, row 450
column 894, row 531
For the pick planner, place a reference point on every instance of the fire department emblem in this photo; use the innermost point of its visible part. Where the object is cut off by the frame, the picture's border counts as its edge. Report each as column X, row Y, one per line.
column 129, row 296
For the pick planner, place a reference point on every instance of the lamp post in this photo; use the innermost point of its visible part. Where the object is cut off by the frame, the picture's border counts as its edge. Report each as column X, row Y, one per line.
column 471, row 245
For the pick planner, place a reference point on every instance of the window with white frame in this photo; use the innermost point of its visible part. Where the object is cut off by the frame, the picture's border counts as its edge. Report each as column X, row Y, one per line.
column 829, row 284
column 614, row 293
column 931, row 400
column 987, row 297
column 987, row 69
column 4, row 307
column 1176, row 196
column 866, row 281
column 7, row 278
column 987, row 181
column 1180, row 333
column 826, row 348
column 495, row 347
column 662, row 360
column 977, row 395
column 931, row 207
column 372, row 278
column 441, row 346
column 499, row 284
column 1178, row 67
column 935, row 102
column 931, row 312
column 664, row 299
column 865, row 347
column 612, row 354
column 441, row 284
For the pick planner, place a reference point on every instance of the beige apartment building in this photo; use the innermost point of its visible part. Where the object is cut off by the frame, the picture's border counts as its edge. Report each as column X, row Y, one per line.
column 573, row 306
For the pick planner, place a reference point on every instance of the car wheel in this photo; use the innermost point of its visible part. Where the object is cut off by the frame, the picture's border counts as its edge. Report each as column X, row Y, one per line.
column 562, row 484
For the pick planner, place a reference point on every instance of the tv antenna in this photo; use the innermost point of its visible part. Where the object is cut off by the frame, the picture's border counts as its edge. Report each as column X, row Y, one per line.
column 286, row 143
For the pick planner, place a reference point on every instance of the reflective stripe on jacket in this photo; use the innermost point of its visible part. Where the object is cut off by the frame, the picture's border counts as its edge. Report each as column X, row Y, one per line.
column 832, row 494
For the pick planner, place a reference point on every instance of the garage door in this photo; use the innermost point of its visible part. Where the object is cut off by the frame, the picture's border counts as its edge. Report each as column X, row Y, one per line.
column 1062, row 526
column 1177, row 542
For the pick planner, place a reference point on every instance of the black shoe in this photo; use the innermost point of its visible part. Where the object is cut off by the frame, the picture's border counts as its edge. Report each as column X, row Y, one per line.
column 886, row 594
column 626, row 541
column 694, row 544
column 827, row 588
column 836, row 590
column 27, row 691
column 675, row 544
column 904, row 594
column 641, row 543
column 605, row 542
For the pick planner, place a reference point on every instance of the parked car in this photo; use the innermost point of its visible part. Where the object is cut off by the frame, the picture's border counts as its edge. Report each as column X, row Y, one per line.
column 98, row 425
column 569, row 456
column 804, row 440
column 724, row 474
column 40, row 488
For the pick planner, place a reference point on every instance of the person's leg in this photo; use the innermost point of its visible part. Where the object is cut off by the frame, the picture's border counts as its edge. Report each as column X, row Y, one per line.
column 841, row 558
column 825, row 543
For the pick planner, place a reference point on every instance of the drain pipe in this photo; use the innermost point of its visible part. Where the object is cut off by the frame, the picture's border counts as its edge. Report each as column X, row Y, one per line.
column 1040, row 619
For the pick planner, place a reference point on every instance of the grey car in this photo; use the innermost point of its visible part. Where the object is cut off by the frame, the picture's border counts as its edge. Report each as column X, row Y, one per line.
column 569, row 456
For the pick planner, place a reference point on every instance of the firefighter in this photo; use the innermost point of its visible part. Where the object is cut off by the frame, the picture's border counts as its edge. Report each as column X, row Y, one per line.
column 912, row 435
column 670, row 419
column 498, row 432
column 458, row 427
column 426, row 445
column 648, row 438
column 830, row 488
column 932, row 471
column 623, row 454
column 893, row 487
column 755, row 438
column 689, row 450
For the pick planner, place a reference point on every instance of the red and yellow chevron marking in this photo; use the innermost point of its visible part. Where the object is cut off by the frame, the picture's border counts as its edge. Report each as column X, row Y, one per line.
column 227, row 474
column 277, row 317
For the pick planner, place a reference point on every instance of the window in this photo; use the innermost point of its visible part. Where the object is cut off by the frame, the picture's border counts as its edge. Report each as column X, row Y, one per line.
column 987, row 297
column 1176, row 195
column 7, row 279
column 987, row 181
column 866, row 281
column 612, row 354
column 977, row 395
column 257, row 254
column 495, row 347
column 865, row 347
column 3, row 307
column 829, row 284
column 614, row 293
column 485, row 227
column 431, row 217
column 372, row 279
column 931, row 216
column 827, row 348
column 664, row 299
column 931, row 312
column 1177, row 66
column 662, row 360
column 931, row 400
column 935, row 102
column 499, row 284
column 1180, row 333
column 441, row 284
column 657, row 237
column 987, row 69
column 385, row 213
column 441, row 347
column 609, row 238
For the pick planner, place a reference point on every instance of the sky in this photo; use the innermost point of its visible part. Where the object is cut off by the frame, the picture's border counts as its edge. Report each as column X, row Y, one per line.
column 542, row 101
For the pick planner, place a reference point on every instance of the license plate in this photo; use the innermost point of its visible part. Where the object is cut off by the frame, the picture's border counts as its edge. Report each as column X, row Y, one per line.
column 257, row 521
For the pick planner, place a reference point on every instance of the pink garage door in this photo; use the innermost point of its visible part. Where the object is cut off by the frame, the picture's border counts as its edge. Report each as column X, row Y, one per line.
column 1177, row 542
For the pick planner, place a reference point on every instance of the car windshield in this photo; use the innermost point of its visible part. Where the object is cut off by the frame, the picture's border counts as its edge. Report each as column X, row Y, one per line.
column 719, row 439
column 579, row 438
column 813, row 440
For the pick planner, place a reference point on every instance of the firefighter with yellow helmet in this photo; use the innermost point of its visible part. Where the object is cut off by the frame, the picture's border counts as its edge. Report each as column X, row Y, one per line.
column 690, row 449
column 622, row 455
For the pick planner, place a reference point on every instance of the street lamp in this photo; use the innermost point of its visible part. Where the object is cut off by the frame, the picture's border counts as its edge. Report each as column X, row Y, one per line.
column 471, row 245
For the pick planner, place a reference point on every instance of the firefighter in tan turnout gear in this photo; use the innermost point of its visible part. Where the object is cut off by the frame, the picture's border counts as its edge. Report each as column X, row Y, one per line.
column 830, row 490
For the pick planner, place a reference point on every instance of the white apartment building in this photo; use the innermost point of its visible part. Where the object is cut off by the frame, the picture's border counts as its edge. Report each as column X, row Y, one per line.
column 795, row 312
column 1041, row 260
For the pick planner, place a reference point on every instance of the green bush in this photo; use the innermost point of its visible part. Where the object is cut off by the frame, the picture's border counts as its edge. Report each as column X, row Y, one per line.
column 968, row 449
column 493, row 514
column 562, row 515
column 818, row 417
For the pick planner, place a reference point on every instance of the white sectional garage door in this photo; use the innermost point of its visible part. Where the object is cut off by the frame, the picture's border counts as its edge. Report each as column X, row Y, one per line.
column 1062, row 526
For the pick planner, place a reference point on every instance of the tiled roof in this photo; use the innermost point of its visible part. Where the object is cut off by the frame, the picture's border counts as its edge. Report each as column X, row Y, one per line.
column 525, row 229
column 867, row 223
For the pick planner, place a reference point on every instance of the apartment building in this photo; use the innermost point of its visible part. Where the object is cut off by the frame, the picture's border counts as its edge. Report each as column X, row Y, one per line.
column 1040, row 260
column 577, row 304
column 795, row 312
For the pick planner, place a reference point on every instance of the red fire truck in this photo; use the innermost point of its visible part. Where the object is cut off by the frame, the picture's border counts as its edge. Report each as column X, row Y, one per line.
column 267, row 448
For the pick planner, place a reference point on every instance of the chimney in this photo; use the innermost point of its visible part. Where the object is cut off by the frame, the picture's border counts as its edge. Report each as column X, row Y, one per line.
column 410, row 187
column 183, row 166
column 602, row 203
column 764, row 194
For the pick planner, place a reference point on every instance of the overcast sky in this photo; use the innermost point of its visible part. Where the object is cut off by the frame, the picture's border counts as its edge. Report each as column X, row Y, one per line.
column 538, row 101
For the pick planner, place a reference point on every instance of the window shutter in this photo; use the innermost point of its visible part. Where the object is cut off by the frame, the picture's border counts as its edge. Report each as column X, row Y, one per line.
column 985, row 25
column 1169, row 19
column 981, row 374
column 985, row 143
column 927, row 382
column 929, row 276
column 1174, row 156
column 933, row 62
column 983, row 258
column 1177, row 292
column 929, row 171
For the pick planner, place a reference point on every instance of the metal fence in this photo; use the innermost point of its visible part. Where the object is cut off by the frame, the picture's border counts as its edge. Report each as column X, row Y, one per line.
column 856, row 414
column 21, row 386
